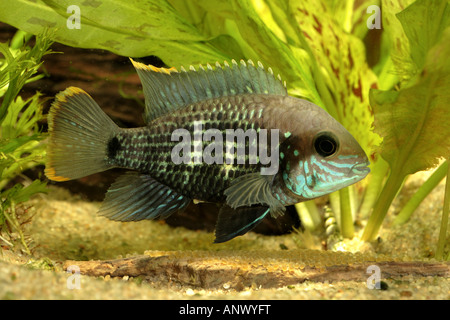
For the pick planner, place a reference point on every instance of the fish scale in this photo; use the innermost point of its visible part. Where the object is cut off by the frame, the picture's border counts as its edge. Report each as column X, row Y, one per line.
column 311, row 154
column 148, row 149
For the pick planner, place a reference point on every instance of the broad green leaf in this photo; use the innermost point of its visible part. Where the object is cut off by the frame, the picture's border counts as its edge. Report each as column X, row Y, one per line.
column 254, row 29
column 423, row 25
column 402, row 66
column 414, row 124
column 130, row 28
column 347, row 77
column 341, row 77
column 415, row 121
column 351, row 15
column 290, row 62
column 293, row 58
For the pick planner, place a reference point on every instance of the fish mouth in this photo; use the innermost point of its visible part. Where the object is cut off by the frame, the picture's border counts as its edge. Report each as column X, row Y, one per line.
column 361, row 169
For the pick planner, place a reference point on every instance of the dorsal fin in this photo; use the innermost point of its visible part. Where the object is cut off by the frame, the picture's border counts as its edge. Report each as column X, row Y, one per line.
column 167, row 90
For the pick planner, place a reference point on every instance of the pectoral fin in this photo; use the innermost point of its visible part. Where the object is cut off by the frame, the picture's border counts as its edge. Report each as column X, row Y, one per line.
column 253, row 189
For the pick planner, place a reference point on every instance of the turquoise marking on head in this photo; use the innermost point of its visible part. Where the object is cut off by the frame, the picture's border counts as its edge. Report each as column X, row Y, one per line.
column 309, row 181
column 340, row 165
column 321, row 156
column 300, row 180
column 317, row 176
column 321, row 166
column 305, row 167
column 350, row 156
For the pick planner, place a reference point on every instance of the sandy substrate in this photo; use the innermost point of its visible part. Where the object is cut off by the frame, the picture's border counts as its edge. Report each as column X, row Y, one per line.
column 67, row 228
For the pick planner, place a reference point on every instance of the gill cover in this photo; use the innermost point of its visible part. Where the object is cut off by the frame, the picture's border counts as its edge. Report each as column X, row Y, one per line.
column 334, row 161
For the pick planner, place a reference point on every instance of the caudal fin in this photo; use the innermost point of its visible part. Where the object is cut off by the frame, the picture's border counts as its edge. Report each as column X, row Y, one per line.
column 79, row 135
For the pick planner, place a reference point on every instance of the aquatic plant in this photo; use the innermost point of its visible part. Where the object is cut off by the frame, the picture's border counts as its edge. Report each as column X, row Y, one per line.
column 389, row 87
column 20, row 146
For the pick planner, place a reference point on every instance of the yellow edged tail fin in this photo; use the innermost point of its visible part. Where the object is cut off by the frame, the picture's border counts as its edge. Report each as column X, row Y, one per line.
column 79, row 133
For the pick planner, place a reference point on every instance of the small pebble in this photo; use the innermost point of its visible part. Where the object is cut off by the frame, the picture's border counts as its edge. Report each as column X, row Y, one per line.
column 190, row 292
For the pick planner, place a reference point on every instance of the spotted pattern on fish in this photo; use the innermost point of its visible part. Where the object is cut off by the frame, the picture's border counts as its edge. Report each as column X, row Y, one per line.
column 148, row 149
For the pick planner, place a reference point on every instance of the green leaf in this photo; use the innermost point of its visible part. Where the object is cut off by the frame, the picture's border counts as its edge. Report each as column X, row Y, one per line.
column 253, row 31
column 414, row 125
column 131, row 28
column 18, row 193
column 21, row 118
column 339, row 71
column 19, row 67
column 351, row 15
column 19, row 133
column 414, row 122
column 399, row 46
column 423, row 25
column 10, row 145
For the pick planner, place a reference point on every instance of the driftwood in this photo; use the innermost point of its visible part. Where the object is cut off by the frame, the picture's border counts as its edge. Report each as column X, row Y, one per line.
column 240, row 270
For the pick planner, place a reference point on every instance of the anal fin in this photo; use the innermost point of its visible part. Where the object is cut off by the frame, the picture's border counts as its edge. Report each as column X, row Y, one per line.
column 134, row 197
column 236, row 222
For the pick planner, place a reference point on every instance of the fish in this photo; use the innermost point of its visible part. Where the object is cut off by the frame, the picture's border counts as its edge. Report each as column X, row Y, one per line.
column 228, row 134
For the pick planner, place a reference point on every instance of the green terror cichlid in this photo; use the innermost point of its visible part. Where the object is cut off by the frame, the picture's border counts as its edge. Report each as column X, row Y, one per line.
column 229, row 134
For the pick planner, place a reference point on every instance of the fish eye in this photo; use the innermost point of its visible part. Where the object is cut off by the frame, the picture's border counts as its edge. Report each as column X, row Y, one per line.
column 326, row 144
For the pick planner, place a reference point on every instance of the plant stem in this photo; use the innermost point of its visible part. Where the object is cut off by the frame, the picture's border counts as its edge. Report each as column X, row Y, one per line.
column 309, row 214
column 423, row 191
column 387, row 79
column 314, row 213
column 12, row 219
column 444, row 221
column 347, row 229
column 382, row 205
column 19, row 39
column 335, row 203
column 373, row 189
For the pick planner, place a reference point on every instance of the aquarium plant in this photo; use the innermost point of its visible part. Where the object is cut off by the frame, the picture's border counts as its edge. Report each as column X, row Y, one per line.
column 20, row 137
column 381, row 68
